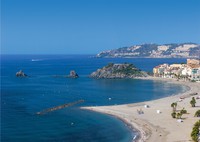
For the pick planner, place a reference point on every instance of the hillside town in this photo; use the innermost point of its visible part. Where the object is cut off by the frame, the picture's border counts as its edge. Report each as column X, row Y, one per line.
column 151, row 50
column 188, row 72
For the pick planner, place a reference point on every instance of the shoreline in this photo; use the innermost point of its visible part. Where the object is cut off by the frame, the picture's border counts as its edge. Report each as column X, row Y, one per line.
column 150, row 125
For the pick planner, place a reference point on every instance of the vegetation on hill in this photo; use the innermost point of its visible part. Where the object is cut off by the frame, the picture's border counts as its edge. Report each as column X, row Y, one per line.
column 118, row 71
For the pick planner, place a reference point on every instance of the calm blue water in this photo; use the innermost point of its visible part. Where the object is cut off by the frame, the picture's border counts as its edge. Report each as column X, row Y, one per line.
column 21, row 98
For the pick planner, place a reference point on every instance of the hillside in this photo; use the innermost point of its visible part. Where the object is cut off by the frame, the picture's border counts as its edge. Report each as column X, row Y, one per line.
column 112, row 71
column 184, row 50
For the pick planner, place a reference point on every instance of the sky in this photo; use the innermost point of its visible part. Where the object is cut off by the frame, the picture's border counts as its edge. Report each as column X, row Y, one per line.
column 91, row 26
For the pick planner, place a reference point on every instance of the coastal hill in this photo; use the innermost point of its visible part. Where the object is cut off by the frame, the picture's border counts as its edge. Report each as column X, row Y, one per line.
column 184, row 50
column 112, row 71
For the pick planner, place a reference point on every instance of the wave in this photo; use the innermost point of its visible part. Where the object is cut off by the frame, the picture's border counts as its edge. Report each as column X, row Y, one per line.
column 36, row 60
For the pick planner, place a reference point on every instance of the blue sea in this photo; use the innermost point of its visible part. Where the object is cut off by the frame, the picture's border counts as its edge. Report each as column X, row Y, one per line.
column 21, row 98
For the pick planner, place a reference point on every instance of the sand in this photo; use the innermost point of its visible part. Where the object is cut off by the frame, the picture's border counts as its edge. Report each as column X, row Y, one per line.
column 158, row 127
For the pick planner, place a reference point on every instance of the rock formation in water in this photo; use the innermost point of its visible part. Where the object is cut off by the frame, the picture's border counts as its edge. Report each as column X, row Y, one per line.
column 112, row 71
column 73, row 74
column 21, row 74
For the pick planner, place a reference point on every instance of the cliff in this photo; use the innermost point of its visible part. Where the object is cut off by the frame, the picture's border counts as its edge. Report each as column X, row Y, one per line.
column 112, row 71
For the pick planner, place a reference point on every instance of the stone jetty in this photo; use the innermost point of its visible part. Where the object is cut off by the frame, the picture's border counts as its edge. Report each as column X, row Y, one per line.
column 59, row 107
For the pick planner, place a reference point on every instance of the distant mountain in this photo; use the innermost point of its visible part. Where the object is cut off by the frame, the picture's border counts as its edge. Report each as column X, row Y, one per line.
column 183, row 50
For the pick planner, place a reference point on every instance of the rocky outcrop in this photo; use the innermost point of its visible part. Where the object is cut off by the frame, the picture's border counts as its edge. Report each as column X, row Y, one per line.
column 73, row 74
column 21, row 74
column 112, row 71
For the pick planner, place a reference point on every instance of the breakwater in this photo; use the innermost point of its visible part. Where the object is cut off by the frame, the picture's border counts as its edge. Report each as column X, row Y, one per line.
column 59, row 107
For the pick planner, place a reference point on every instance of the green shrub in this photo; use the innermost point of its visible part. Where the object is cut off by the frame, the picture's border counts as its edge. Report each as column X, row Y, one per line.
column 174, row 105
column 173, row 114
column 197, row 113
column 183, row 111
column 178, row 115
column 193, row 102
column 195, row 131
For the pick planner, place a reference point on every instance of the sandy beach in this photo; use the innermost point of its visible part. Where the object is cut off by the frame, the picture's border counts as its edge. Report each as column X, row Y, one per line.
column 158, row 127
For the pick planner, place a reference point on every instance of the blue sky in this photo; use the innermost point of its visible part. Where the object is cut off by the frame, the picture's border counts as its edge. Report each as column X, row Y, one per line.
column 90, row 26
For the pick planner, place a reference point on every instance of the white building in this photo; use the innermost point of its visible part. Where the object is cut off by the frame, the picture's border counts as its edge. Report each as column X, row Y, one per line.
column 186, row 71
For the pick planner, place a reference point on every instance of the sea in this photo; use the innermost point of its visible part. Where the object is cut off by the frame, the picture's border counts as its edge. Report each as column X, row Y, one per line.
column 47, row 86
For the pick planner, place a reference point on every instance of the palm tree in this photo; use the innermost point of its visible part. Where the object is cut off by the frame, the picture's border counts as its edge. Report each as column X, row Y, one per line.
column 174, row 105
column 173, row 114
column 178, row 115
column 183, row 111
column 193, row 102
column 197, row 113
column 195, row 131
